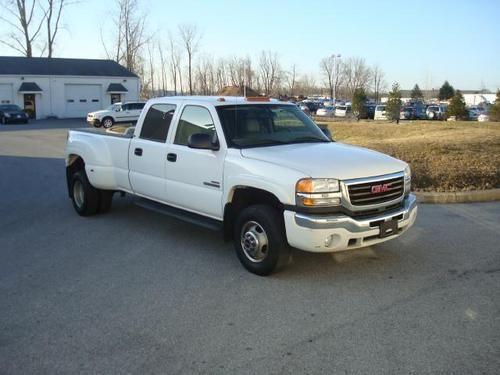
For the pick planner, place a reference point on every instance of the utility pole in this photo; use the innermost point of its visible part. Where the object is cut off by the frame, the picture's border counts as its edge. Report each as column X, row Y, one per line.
column 335, row 62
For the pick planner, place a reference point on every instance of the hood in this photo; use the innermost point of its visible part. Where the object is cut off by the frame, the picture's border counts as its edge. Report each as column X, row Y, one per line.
column 14, row 113
column 101, row 112
column 328, row 160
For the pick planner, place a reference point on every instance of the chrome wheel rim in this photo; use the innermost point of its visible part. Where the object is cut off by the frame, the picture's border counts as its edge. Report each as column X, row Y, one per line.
column 78, row 194
column 254, row 241
column 107, row 123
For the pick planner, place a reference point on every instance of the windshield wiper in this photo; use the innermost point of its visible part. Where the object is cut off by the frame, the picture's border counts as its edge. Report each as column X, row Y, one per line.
column 307, row 139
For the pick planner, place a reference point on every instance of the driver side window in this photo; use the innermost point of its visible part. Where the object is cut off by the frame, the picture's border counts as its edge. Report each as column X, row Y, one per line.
column 194, row 119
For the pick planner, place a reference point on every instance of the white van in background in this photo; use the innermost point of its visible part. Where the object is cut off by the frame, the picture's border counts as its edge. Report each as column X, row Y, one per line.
column 380, row 113
column 343, row 110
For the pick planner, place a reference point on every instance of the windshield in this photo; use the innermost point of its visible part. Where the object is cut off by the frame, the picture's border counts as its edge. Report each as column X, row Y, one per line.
column 9, row 107
column 113, row 107
column 257, row 125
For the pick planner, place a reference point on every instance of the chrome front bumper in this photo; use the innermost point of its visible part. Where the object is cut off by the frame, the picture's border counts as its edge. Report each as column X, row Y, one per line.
column 329, row 233
column 351, row 224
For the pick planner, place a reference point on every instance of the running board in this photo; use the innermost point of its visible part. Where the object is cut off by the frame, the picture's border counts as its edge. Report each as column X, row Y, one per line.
column 183, row 215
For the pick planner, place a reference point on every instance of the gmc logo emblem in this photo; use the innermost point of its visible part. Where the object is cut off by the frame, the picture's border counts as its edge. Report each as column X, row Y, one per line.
column 376, row 189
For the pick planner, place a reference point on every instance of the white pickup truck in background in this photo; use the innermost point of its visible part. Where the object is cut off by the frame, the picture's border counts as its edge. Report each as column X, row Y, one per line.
column 260, row 170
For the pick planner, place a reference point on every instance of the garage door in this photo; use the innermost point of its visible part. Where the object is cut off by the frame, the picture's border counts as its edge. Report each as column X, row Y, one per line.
column 5, row 93
column 82, row 99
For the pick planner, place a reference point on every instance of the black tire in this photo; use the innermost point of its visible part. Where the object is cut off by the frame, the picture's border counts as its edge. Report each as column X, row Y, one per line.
column 3, row 121
column 107, row 122
column 250, row 224
column 85, row 197
column 105, row 200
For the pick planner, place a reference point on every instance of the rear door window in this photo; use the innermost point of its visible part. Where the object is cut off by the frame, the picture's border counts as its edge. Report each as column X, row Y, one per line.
column 157, row 122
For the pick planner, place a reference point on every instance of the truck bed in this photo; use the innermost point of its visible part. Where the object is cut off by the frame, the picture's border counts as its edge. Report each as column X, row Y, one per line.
column 116, row 131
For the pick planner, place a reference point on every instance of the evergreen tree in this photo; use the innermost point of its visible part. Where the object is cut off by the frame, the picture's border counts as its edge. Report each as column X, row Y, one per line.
column 416, row 94
column 446, row 91
column 393, row 106
column 358, row 102
column 457, row 107
column 495, row 109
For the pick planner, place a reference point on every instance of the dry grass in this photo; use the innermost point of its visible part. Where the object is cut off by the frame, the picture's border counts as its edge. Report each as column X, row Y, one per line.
column 444, row 156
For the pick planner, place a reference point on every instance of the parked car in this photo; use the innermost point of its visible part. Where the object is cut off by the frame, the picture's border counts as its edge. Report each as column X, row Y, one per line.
column 436, row 112
column 261, row 172
column 473, row 112
column 408, row 113
column 343, row 110
column 368, row 112
column 380, row 113
column 326, row 112
column 116, row 113
column 483, row 117
column 10, row 113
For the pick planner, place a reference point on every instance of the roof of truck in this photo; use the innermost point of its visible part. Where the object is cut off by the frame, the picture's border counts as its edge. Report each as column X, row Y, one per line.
column 219, row 100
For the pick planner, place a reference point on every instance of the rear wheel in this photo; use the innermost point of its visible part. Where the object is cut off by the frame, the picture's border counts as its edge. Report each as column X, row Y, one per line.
column 105, row 200
column 260, row 241
column 84, row 196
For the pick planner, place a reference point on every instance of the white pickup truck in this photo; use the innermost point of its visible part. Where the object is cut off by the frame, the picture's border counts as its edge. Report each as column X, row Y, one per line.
column 260, row 170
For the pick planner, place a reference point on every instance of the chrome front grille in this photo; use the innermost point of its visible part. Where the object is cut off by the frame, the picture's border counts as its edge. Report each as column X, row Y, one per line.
column 376, row 192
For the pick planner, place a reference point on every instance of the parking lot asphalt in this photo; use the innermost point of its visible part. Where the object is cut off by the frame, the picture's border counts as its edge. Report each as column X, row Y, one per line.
column 136, row 292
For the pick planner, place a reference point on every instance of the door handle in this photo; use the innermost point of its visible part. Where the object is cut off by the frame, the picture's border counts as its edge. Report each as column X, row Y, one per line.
column 172, row 157
column 138, row 151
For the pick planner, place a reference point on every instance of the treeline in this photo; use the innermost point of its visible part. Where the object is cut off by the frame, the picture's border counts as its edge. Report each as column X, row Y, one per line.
column 176, row 63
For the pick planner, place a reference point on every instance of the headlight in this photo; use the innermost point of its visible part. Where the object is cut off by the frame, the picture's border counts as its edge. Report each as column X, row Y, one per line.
column 317, row 192
column 6, row 115
column 407, row 179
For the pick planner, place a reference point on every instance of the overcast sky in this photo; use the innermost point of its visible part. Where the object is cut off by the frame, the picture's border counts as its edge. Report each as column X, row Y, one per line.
column 417, row 41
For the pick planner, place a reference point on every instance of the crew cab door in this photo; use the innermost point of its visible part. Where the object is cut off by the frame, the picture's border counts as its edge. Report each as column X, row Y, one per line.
column 194, row 176
column 147, row 153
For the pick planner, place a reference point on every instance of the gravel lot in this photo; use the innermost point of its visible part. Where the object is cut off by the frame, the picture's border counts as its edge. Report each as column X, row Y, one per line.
column 135, row 292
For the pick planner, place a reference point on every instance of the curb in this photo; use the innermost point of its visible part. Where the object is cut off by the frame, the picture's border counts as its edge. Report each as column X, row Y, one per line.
column 459, row 196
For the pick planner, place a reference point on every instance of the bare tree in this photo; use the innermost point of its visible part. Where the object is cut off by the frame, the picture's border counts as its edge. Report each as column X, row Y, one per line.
column 327, row 67
column 152, row 69
column 190, row 39
column 53, row 11
column 378, row 81
column 269, row 71
column 220, row 75
column 174, row 61
column 356, row 74
column 163, row 70
column 130, row 37
column 291, row 79
column 25, row 24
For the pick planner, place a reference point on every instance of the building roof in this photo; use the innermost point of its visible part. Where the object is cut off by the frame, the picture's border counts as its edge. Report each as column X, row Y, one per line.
column 116, row 87
column 14, row 65
column 29, row 87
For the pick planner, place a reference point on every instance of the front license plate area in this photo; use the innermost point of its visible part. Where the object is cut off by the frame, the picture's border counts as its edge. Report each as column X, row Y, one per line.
column 388, row 228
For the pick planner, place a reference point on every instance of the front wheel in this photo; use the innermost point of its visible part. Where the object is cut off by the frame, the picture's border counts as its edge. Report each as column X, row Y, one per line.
column 3, row 121
column 260, row 240
column 107, row 122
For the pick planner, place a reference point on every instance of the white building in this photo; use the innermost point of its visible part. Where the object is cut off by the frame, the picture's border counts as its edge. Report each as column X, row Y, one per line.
column 64, row 88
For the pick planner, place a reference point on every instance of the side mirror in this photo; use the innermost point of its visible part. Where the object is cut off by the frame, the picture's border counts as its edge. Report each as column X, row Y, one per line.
column 203, row 141
column 327, row 132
